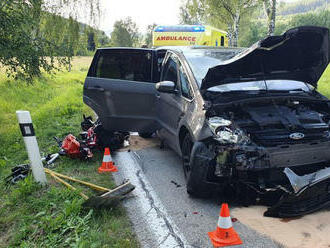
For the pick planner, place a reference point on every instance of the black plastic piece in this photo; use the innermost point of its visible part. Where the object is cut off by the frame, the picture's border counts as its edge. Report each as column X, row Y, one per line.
column 312, row 199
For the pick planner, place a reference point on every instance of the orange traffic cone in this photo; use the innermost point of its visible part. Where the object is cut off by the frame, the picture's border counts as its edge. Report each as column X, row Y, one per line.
column 224, row 234
column 107, row 164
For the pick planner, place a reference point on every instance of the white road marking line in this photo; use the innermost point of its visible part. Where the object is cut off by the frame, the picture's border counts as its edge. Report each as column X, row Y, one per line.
column 165, row 231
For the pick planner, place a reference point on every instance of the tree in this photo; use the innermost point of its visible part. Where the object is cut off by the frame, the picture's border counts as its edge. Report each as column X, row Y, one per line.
column 254, row 30
column 192, row 12
column 103, row 39
column 302, row 6
column 315, row 18
column 220, row 13
column 148, row 38
column 230, row 12
column 34, row 37
column 125, row 33
column 91, row 41
column 185, row 17
column 270, row 11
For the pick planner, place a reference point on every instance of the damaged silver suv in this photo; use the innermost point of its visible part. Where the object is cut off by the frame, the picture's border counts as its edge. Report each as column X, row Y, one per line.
column 245, row 121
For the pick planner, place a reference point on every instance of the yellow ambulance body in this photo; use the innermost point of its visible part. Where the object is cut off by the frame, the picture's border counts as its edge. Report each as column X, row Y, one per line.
column 189, row 35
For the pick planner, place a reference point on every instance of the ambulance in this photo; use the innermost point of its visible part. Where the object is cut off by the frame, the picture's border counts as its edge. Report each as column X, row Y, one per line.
column 189, row 35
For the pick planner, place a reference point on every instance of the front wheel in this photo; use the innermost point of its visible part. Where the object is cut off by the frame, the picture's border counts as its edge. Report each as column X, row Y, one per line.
column 186, row 152
column 196, row 158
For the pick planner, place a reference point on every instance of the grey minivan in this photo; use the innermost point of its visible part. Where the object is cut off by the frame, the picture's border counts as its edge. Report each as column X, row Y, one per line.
column 245, row 121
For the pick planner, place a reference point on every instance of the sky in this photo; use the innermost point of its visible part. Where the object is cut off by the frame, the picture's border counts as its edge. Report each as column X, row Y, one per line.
column 143, row 12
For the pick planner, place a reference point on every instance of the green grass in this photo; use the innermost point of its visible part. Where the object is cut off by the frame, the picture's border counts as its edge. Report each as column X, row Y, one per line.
column 324, row 83
column 52, row 216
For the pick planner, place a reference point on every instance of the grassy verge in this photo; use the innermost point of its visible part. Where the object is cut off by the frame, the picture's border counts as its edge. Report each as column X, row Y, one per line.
column 52, row 216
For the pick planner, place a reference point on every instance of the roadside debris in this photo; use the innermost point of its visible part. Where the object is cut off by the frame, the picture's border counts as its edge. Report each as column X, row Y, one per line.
column 312, row 188
column 234, row 219
column 87, row 123
column 96, row 136
column 72, row 148
column 50, row 159
column 176, row 184
column 224, row 234
column 93, row 136
column 109, row 197
column 19, row 172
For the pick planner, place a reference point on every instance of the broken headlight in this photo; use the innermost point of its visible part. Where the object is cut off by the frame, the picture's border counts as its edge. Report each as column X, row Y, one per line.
column 217, row 122
column 224, row 133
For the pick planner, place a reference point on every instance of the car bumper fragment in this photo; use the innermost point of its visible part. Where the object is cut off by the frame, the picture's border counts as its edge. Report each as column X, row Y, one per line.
column 310, row 193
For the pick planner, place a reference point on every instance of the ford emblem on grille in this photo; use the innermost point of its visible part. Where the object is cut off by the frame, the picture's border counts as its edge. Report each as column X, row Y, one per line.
column 297, row 136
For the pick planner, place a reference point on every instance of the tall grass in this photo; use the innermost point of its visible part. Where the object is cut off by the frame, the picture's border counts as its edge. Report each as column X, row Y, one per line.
column 52, row 216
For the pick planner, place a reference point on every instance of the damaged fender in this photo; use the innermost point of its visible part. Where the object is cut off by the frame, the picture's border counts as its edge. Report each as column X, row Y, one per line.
column 200, row 162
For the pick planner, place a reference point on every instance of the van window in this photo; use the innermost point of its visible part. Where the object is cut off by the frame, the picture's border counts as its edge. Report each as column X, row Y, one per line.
column 125, row 65
column 184, row 82
column 170, row 70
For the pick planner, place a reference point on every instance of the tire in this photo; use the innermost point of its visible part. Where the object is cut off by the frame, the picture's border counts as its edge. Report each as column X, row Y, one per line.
column 145, row 135
column 194, row 170
column 186, row 153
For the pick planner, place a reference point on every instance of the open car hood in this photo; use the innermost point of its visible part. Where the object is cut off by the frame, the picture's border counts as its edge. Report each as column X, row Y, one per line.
column 300, row 54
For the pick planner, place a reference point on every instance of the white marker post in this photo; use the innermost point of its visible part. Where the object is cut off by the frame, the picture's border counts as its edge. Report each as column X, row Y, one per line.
column 31, row 145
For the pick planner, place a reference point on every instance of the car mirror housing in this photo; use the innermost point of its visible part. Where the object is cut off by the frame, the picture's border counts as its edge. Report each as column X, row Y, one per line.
column 166, row 87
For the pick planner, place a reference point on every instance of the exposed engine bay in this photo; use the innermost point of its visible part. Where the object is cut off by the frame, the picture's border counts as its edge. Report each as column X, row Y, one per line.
column 272, row 134
column 266, row 147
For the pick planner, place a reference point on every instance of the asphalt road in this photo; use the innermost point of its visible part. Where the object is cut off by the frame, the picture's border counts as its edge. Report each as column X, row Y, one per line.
column 160, row 201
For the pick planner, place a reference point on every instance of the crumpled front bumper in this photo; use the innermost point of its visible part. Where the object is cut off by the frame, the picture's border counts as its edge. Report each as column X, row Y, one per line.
column 310, row 193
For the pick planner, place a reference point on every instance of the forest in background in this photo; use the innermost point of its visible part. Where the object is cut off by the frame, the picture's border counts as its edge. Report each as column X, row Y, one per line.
column 248, row 21
column 302, row 6
column 35, row 36
column 289, row 15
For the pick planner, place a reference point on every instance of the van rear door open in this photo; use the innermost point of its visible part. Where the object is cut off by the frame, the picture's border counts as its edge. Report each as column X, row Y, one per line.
column 120, row 88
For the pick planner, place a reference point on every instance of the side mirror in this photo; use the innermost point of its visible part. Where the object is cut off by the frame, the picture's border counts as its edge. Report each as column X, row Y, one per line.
column 166, row 87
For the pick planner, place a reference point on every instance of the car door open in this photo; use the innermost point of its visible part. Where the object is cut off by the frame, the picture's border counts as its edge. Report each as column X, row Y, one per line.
column 120, row 88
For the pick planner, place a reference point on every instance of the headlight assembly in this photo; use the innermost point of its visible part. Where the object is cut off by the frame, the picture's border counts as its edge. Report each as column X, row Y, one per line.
column 218, row 122
column 224, row 133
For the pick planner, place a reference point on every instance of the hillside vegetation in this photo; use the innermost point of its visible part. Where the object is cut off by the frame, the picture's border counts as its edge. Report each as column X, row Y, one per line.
column 302, row 6
column 255, row 29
